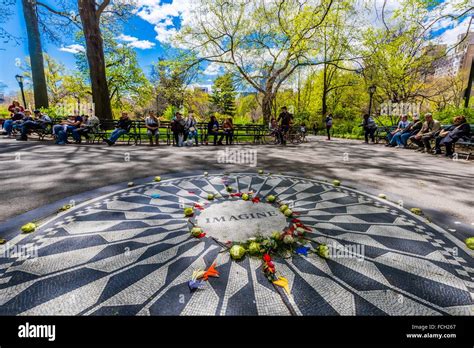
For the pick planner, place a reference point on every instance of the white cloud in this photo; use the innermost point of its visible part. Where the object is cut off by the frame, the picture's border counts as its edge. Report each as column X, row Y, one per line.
column 74, row 48
column 450, row 36
column 213, row 69
column 135, row 42
column 161, row 15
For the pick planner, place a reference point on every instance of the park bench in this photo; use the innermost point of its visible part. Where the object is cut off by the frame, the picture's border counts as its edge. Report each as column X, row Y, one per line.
column 382, row 132
column 466, row 143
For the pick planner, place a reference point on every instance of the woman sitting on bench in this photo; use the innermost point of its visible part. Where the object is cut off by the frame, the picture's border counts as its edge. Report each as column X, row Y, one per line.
column 449, row 137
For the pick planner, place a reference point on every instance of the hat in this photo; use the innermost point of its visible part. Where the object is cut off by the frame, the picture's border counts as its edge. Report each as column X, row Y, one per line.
column 36, row 111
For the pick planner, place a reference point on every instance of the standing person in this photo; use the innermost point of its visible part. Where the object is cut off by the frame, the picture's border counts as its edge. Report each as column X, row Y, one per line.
column 190, row 130
column 448, row 138
column 228, row 127
column 177, row 127
column 123, row 127
column 370, row 127
column 315, row 129
column 284, row 119
column 40, row 121
column 213, row 129
column 391, row 136
column 152, row 124
column 329, row 125
column 427, row 132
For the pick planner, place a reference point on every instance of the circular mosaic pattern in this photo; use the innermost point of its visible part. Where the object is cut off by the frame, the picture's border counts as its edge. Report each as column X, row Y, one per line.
column 131, row 253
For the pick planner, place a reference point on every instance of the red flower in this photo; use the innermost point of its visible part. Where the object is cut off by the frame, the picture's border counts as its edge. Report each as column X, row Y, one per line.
column 256, row 200
column 202, row 235
column 267, row 258
column 238, row 194
column 296, row 220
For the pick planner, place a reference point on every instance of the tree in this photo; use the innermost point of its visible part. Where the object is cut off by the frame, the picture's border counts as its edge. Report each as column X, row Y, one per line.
column 90, row 14
column 35, row 50
column 223, row 95
column 263, row 41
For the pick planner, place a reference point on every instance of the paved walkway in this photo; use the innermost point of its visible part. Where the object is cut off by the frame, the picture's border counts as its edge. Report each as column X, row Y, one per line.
column 41, row 174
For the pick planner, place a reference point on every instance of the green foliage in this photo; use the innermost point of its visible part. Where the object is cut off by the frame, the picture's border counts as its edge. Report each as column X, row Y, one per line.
column 223, row 95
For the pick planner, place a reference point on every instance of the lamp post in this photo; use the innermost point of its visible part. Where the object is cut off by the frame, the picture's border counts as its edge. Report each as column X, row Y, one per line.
column 19, row 79
column 372, row 90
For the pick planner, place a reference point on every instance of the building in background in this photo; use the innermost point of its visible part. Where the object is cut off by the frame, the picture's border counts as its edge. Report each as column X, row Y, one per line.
column 454, row 62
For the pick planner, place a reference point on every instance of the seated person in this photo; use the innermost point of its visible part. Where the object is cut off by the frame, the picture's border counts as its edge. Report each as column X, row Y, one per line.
column 123, row 127
column 177, row 127
column 190, row 130
column 402, row 137
column 41, row 121
column 427, row 132
column 228, row 127
column 16, row 119
column 15, row 104
column 450, row 136
column 213, row 129
column 62, row 130
column 91, row 124
column 403, row 124
column 152, row 124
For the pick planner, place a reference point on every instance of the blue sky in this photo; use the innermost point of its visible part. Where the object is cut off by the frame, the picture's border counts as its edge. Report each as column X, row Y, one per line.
column 154, row 23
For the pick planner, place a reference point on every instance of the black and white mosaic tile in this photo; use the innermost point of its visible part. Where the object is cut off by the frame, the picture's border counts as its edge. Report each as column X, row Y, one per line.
column 131, row 253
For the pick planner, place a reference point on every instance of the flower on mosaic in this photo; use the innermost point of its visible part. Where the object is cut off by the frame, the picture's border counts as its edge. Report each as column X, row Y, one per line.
column 211, row 272
column 65, row 207
column 157, row 178
column 288, row 212
column 188, row 211
column 229, row 188
column 198, row 206
column 131, row 183
column 302, row 250
column 271, row 198
column 2, row 241
column 256, row 200
column 210, row 196
column 155, row 196
column 283, row 207
column 29, row 227
column 470, row 243
column 237, row 252
column 191, row 192
column 416, row 211
column 195, row 284
column 288, row 239
column 238, row 194
column 254, row 248
column 323, row 251
column 283, row 283
column 336, row 183
column 382, row 195
column 197, row 232
column 260, row 171
column 206, row 173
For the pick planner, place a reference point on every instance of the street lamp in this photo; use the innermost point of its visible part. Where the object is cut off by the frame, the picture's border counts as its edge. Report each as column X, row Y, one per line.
column 19, row 79
column 372, row 90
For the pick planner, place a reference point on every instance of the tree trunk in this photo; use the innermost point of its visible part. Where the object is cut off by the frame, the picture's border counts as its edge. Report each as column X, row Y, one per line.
column 95, row 57
column 324, row 104
column 267, row 106
column 36, row 54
